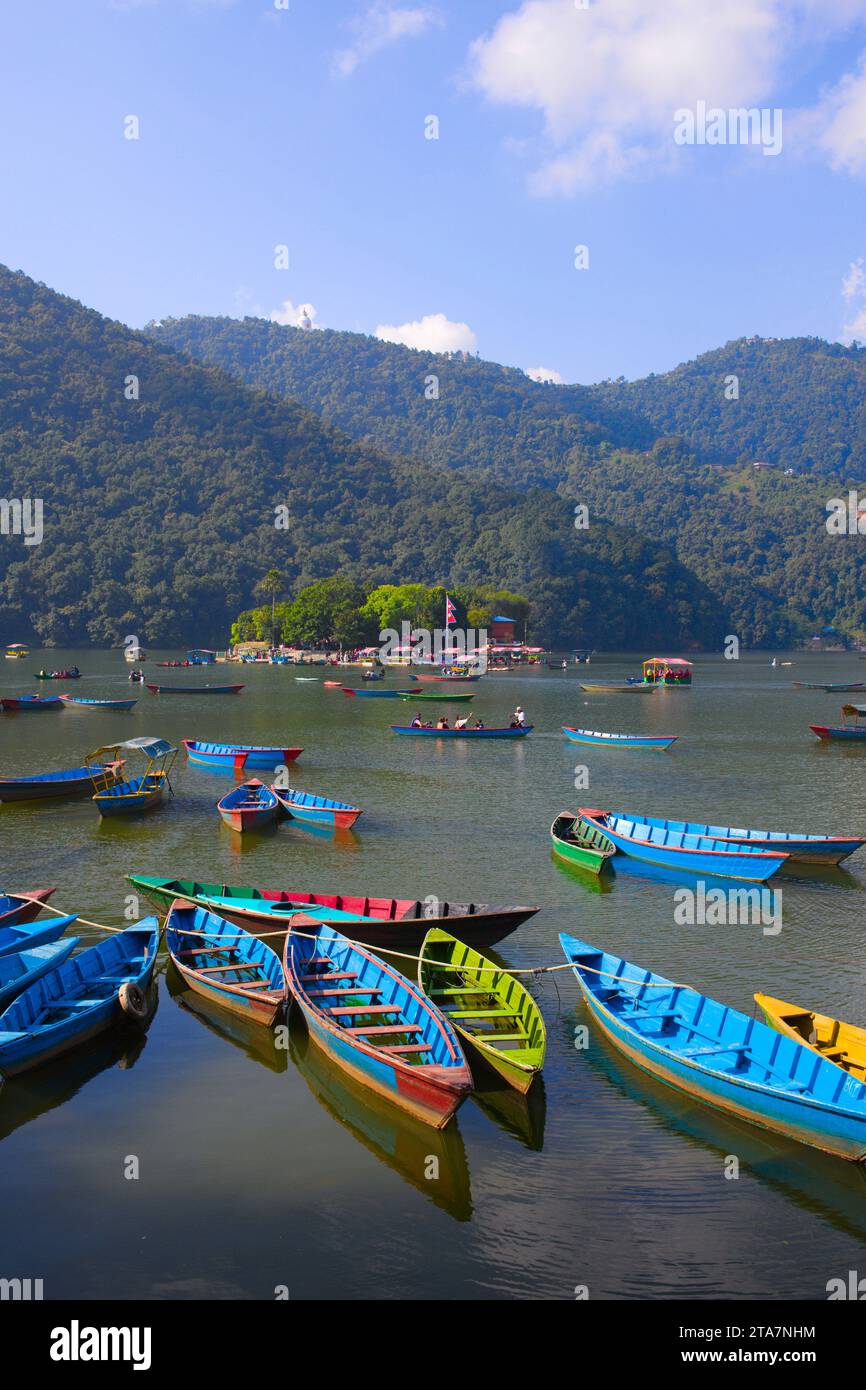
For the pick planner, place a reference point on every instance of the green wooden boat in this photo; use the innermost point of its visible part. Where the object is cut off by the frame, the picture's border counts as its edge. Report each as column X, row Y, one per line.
column 490, row 1009
column 581, row 844
column 432, row 695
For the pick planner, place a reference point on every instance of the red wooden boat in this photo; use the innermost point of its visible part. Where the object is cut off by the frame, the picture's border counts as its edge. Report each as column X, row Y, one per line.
column 24, row 906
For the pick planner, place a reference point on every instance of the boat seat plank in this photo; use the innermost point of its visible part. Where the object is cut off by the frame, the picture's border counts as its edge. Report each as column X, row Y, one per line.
column 403, row 1048
column 461, row 989
column 502, row 1037
column 233, row 965
column 717, row 1048
column 344, row 989
column 329, row 975
column 378, row 1028
column 479, row 1013
column 363, row 1009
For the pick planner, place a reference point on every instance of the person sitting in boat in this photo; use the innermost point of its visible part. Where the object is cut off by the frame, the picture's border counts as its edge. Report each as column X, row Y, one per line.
column 442, row 722
column 417, row 722
column 428, row 724
column 75, row 671
column 461, row 722
column 518, row 718
column 478, row 724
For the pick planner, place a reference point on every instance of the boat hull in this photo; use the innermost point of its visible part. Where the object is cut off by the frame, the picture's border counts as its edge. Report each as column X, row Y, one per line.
column 195, row 689
column 98, row 704
column 132, row 798
column 806, row 849
column 407, row 729
column 31, row 703
column 753, row 867
column 48, row 788
column 19, row 971
column 381, row 920
column 583, row 856
column 256, row 963
column 807, row 1120
column 839, row 731
column 253, row 818
column 603, row 740
column 18, row 908
column 230, row 757
column 340, row 815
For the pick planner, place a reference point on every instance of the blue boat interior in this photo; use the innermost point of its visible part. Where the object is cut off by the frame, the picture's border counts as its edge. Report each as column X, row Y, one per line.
column 726, row 832
column 662, row 834
column 201, row 940
column 84, row 982
column 321, row 803
column 696, row 1029
column 368, row 1000
column 248, row 797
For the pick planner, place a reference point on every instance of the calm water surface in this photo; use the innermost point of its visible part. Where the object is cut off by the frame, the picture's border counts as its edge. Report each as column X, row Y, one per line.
column 260, row 1169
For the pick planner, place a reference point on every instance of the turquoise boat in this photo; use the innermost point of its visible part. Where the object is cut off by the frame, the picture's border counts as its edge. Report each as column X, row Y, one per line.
column 225, row 964
column 23, row 936
column 90, row 703
column 603, row 740
column 720, row 1056
column 87, row 994
column 321, row 810
column 655, row 843
column 19, row 971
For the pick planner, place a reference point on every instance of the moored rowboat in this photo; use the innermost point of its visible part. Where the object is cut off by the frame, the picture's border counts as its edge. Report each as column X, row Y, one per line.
column 854, row 730
column 322, row 810
column 250, row 806
column 25, row 936
column 16, row 908
column 195, row 689
column 380, row 921
column 374, row 1024
column 84, row 996
column 22, row 703
column 617, row 688
column 804, row 849
column 24, row 968
column 490, row 1009
column 721, row 1056
column 593, row 736
column 656, row 843
column 72, row 781
column 97, row 704
column 841, row 1043
column 225, row 964
column 228, row 757
column 581, row 844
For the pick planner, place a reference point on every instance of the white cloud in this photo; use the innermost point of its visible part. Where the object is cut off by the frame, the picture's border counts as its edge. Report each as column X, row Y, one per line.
column 383, row 23
column 544, row 374
column 838, row 122
column 607, row 79
column 295, row 315
column 854, row 282
column 433, row 333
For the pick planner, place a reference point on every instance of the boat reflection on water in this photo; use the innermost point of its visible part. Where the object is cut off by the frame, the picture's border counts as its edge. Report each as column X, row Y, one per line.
column 595, row 883
column 404, row 1144
column 24, row 1098
column 521, row 1116
column 257, row 1042
column 341, row 836
column 821, row 1184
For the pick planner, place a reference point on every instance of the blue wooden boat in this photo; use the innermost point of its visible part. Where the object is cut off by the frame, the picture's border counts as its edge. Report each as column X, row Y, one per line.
column 87, row 994
column 225, row 964
column 321, row 809
column 805, row 849
column 374, row 1023
column 721, row 1056
column 71, row 781
column 235, row 757
column 24, row 936
column 251, row 806
column 654, row 843
column 849, row 730
column 408, row 729
column 617, row 740
column 372, row 694
column 97, row 704
column 25, row 968
column 137, row 793
column 22, row 703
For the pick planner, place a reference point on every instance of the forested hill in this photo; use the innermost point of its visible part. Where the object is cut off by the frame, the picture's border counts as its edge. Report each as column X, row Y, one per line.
column 801, row 402
column 160, row 478
column 670, row 456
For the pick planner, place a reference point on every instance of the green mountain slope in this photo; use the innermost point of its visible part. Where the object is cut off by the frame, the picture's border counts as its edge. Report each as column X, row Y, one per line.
column 669, row 456
column 159, row 511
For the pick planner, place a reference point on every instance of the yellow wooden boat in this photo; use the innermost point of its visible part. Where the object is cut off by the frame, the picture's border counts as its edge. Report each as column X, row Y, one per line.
column 838, row 1042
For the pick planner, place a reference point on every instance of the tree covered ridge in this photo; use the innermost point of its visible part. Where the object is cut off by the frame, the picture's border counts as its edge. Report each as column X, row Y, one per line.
column 160, row 510
column 671, row 456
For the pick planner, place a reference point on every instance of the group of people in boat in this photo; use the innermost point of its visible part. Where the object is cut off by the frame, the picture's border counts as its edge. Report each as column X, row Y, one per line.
column 136, row 677
column 72, row 674
column 518, row 721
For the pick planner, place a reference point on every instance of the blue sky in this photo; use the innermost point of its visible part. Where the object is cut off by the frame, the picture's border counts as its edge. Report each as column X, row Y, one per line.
column 305, row 126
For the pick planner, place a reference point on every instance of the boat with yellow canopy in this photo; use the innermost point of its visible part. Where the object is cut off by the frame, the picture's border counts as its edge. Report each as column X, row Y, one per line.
column 137, row 793
column 667, row 670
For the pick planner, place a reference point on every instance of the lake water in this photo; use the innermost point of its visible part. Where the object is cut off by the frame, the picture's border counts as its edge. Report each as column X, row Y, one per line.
column 259, row 1169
